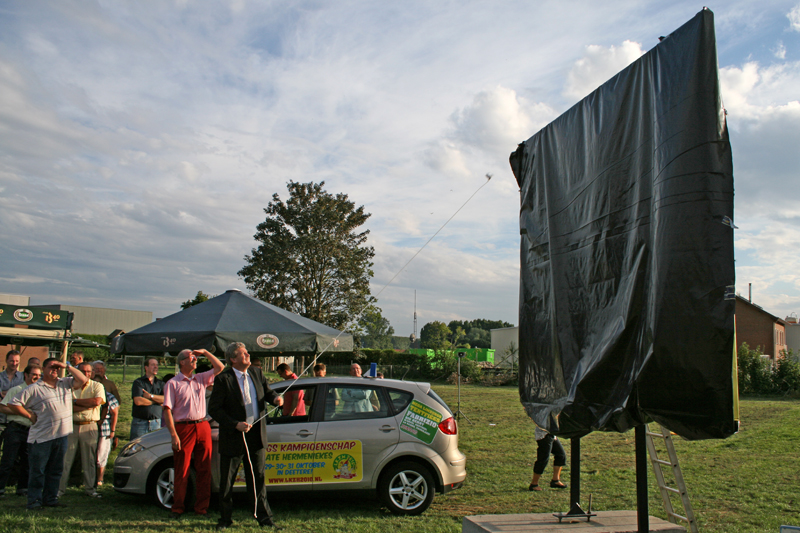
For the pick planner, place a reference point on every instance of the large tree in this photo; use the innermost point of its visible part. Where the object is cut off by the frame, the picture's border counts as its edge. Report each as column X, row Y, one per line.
column 376, row 329
column 312, row 258
column 200, row 298
column 436, row 336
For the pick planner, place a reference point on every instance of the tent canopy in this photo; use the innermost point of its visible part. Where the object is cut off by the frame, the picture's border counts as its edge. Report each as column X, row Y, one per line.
column 234, row 317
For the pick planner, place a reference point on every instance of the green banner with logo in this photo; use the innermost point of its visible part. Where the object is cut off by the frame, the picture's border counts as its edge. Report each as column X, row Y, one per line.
column 12, row 315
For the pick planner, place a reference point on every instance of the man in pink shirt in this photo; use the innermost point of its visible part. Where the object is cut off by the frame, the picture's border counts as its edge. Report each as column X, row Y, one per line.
column 185, row 415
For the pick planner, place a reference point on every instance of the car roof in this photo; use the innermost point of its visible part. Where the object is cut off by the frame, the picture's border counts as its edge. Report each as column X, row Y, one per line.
column 395, row 383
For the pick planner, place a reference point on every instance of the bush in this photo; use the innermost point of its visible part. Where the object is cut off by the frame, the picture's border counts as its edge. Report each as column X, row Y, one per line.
column 445, row 364
column 754, row 371
column 757, row 375
column 786, row 376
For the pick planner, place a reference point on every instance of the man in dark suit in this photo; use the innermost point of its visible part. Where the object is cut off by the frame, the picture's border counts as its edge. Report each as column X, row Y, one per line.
column 240, row 396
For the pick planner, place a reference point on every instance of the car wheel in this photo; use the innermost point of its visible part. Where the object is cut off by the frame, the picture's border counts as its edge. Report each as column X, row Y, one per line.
column 407, row 488
column 162, row 486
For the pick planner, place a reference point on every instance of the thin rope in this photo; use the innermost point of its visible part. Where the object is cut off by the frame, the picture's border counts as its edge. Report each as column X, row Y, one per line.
column 341, row 332
column 252, row 476
column 363, row 309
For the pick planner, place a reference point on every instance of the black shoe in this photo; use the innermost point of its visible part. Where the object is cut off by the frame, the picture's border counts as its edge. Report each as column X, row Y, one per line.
column 556, row 484
column 175, row 516
column 35, row 507
column 267, row 522
column 223, row 525
column 57, row 504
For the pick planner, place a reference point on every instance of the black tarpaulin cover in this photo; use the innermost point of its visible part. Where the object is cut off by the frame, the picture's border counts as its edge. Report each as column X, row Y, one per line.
column 234, row 317
column 627, row 251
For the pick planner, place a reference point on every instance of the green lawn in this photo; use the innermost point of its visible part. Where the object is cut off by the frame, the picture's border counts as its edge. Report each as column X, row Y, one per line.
column 747, row 483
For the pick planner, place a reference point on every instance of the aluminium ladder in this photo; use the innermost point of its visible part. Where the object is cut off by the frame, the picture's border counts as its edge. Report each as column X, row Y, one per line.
column 666, row 490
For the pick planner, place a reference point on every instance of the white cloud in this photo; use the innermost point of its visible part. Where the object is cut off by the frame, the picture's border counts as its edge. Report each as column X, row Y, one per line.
column 139, row 145
column 447, row 158
column 736, row 83
column 794, row 18
column 779, row 51
column 498, row 119
column 598, row 65
column 764, row 118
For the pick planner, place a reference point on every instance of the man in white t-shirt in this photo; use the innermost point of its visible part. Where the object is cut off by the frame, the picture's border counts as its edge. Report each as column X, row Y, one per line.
column 48, row 405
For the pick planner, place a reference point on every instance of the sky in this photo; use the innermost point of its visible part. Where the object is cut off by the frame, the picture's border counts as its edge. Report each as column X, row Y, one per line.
column 141, row 140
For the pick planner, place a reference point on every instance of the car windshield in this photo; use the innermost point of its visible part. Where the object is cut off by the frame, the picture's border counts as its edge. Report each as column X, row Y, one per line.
column 438, row 399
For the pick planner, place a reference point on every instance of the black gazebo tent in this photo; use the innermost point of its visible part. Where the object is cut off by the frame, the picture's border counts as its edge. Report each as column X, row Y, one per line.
column 231, row 317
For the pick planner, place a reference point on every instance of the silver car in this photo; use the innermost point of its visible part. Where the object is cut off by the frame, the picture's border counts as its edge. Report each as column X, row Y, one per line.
column 398, row 438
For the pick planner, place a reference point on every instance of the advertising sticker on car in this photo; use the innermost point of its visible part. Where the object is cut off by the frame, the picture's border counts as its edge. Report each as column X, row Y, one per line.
column 421, row 421
column 292, row 463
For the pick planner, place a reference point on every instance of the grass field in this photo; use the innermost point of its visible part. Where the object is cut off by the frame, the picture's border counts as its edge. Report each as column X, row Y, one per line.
column 747, row 483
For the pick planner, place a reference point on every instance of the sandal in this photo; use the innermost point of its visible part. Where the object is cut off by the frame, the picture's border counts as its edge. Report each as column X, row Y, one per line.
column 557, row 484
column 534, row 487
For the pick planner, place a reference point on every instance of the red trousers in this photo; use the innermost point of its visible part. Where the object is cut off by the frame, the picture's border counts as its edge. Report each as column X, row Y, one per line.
column 194, row 438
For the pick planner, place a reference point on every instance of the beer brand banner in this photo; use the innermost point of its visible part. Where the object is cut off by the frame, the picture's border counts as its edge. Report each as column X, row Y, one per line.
column 12, row 315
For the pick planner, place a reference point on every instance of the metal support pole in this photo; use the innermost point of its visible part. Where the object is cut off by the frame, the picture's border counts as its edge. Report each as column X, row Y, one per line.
column 575, row 476
column 575, row 510
column 643, row 514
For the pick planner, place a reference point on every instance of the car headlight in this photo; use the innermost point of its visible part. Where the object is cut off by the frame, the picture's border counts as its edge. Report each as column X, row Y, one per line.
column 131, row 448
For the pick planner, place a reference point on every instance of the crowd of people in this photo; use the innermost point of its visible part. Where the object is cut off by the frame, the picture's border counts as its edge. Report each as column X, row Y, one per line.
column 47, row 419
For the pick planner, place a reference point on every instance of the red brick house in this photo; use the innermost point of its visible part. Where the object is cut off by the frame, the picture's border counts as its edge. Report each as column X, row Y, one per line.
column 759, row 328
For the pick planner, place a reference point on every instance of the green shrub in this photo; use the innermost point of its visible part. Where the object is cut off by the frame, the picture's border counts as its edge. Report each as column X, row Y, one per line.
column 757, row 374
column 786, row 375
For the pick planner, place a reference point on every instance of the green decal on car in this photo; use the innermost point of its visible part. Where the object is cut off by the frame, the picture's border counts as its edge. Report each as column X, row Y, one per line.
column 421, row 422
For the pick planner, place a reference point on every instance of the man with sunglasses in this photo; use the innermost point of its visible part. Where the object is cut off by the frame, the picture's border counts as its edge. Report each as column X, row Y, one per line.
column 48, row 405
column 16, row 438
column 185, row 416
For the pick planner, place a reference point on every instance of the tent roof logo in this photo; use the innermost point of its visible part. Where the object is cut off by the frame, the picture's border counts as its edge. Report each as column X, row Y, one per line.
column 267, row 341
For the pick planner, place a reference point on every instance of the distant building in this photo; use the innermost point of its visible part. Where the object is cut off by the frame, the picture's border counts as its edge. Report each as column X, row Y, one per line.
column 505, row 343
column 102, row 321
column 15, row 299
column 758, row 328
column 793, row 333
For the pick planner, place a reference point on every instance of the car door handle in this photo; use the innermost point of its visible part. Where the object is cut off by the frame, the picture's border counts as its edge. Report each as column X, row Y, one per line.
column 304, row 433
column 387, row 428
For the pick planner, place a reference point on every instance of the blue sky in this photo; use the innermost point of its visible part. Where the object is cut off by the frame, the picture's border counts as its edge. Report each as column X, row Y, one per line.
column 140, row 141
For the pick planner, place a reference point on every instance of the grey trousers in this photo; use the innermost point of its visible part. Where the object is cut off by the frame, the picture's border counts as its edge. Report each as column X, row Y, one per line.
column 84, row 437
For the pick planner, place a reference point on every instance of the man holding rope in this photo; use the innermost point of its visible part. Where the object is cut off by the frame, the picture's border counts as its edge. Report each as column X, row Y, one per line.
column 240, row 397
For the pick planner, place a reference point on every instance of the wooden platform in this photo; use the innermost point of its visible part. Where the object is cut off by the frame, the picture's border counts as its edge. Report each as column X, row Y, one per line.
column 604, row 522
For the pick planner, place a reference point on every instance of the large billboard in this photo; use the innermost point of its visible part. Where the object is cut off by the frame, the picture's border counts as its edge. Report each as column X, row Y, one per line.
column 626, row 222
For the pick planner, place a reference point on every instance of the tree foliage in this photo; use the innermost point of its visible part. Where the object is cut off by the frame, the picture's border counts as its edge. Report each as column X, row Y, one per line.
column 757, row 374
column 477, row 332
column 435, row 336
column 377, row 331
column 312, row 258
column 200, row 298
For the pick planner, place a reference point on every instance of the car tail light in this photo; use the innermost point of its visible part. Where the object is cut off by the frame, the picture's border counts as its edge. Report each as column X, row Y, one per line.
column 448, row 427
